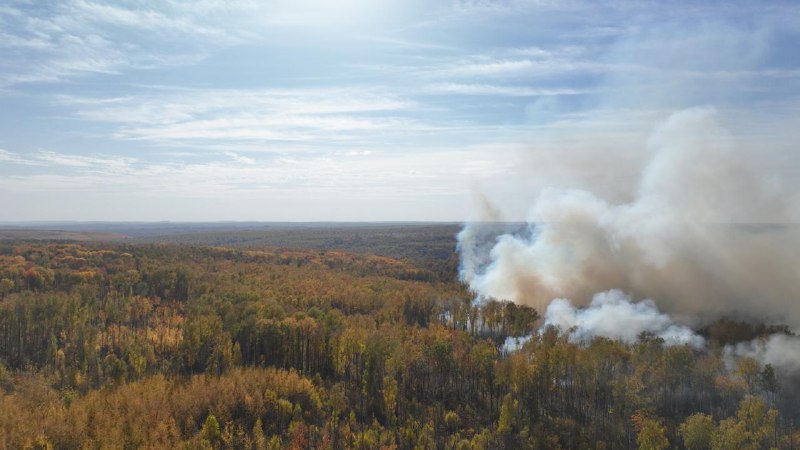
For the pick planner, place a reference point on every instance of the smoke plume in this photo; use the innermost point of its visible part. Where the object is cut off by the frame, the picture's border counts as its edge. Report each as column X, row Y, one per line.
column 614, row 315
column 780, row 350
column 706, row 234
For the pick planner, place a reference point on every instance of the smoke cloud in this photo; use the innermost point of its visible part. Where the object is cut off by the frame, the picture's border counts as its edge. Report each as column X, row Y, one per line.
column 706, row 234
column 780, row 350
column 613, row 314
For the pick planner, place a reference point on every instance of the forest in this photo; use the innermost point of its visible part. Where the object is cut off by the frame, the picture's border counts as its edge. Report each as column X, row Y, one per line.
column 170, row 345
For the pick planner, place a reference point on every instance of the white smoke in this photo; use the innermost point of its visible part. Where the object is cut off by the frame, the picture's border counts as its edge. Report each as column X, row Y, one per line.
column 779, row 350
column 475, row 245
column 686, row 240
column 614, row 315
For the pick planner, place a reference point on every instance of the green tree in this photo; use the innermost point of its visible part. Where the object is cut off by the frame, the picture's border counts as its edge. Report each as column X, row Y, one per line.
column 697, row 431
column 6, row 286
column 452, row 421
column 390, row 397
column 505, row 423
column 259, row 441
column 181, row 285
column 729, row 435
column 747, row 368
column 210, row 432
column 427, row 437
column 651, row 435
column 758, row 421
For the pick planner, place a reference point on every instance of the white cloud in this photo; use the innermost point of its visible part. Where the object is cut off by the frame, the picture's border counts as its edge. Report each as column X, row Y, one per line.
column 53, row 42
column 240, row 158
column 55, row 160
column 145, row 19
column 207, row 116
column 175, row 104
column 508, row 67
column 439, row 171
column 504, row 90
column 107, row 163
column 14, row 158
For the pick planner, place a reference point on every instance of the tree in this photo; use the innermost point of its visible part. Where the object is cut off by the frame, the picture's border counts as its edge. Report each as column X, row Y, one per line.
column 758, row 421
column 768, row 382
column 506, row 421
column 427, row 437
column 259, row 441
column 747, row 369
column 452, row 421
column 6, row 286
column 181, row 285
column 390, row 397
column 730, row 434
column 650, row 433
column 697, row 431
column 210, row 432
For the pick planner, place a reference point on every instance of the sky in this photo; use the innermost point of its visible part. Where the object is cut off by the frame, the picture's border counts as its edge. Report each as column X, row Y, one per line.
column 366, row 110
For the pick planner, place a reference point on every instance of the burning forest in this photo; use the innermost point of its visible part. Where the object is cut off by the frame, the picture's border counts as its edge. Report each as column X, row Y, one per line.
column 705, row 242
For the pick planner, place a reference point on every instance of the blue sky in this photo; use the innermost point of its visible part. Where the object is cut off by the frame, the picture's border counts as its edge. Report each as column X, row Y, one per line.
column 368, row 110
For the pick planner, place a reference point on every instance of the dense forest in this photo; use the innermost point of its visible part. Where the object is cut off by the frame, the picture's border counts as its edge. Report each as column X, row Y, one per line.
column 110, row 345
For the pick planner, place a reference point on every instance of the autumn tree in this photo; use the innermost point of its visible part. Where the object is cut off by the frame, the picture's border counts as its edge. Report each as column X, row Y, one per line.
column 697, row 431
column 650, row 433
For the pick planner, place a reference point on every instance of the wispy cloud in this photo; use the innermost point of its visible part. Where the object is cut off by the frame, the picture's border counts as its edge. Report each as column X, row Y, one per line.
column 14, row 158
column 504, row 90
column 174, row 104
column 56, row 41
column 242, row 115
column 499, row 68
column 240, row 159
column 439, row 171
column 138, row 19
column 52, row 159
column 107, row 163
